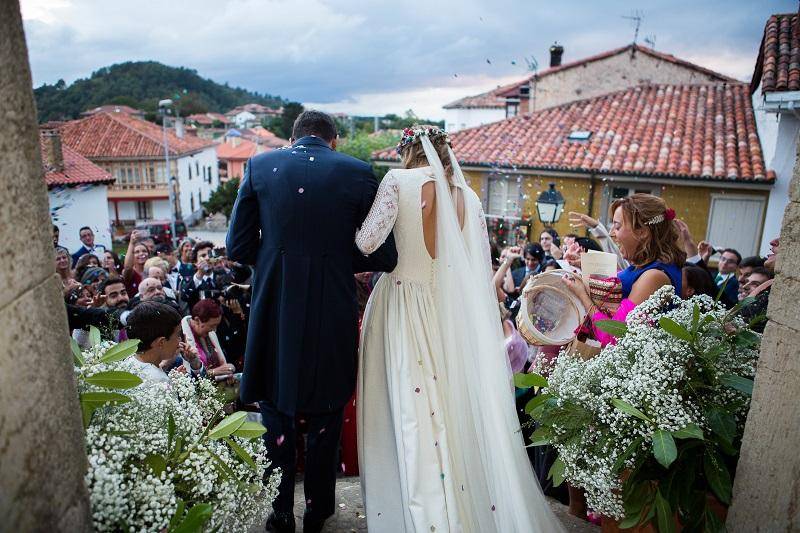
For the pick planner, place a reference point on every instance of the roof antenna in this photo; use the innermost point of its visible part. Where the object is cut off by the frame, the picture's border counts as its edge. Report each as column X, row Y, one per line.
column 651, row 40
column 533, row 65
column 636, row 17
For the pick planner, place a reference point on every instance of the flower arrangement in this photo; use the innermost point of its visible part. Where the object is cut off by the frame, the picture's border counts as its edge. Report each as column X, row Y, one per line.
column 163, row 457
column 652, row 425
column 411, row 135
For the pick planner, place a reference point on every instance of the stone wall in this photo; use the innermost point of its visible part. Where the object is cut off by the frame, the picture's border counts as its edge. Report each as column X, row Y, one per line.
column 614, row 73
column 42, row 458
column 766, row 491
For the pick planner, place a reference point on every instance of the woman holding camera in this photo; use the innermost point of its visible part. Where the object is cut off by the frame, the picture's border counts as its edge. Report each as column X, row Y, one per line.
column 135, row 258
column 200, row 332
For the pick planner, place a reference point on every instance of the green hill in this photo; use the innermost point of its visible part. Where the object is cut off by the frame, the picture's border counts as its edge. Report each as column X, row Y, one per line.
column 141, row 84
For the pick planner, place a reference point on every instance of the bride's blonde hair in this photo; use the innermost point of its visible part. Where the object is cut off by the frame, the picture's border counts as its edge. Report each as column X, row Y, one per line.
column 412, row 155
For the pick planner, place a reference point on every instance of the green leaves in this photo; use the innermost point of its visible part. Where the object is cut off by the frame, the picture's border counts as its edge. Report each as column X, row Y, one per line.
column 250, row 430
column 632, row 447
column 664, row 449
column 722, row 423
column 91, row 401
column 666, row 523
column 627, row 408
column 746, row 338
column 535, row 402
column 120, row 352
column 195, row 519
column 717, row 475
column 114, row 379
column 612, row 327
column 541, row 436
column 525, row 381
column 744, row 385
column 228, row 425
column 156, row 463
column 692, row 431
column 94, row 336
column 243, row 455
column 675, row 329
column 557, row 472
column 77, row 356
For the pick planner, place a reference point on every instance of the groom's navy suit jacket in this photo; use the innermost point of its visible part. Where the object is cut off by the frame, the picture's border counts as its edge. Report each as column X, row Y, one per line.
column 295, row 221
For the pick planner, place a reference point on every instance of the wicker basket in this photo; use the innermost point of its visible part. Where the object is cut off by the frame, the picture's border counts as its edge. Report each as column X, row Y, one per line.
column 550, row 313
column 605, row 290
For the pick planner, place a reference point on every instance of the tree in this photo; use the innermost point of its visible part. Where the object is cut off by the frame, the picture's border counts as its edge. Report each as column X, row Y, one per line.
column 362, row 145
column 290, row 114
column 223, row 198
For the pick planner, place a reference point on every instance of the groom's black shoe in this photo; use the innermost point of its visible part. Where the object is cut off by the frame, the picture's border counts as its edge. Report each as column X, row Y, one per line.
column 281, row 523
column 311, row 524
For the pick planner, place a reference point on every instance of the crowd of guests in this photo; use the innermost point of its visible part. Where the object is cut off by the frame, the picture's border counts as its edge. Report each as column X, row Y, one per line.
column 189, row 308
column 652, row 249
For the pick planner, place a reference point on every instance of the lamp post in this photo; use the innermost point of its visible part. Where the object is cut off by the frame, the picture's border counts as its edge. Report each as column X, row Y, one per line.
column 550, row 205
column 164, row 107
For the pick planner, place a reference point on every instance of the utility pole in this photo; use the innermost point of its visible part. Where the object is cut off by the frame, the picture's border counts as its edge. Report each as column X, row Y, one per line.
column 164, row 108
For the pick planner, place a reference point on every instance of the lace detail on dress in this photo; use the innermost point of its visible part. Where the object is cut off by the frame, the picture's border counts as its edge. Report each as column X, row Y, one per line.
column 381, row 217
column 486, row 248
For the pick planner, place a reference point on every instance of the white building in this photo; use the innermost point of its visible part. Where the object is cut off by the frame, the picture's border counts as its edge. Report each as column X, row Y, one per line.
column 132, row 151
column 776, row 100
column 244, row 119
column 77, row 192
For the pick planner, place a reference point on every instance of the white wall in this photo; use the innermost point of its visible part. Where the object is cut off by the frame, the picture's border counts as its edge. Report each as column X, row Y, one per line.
column 458, row 119
column 779, row 134
column 71, row 208
column 243, row 119
column 196, row 187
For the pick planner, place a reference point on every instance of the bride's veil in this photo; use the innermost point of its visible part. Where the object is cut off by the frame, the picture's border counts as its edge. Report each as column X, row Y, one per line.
column 499, row 491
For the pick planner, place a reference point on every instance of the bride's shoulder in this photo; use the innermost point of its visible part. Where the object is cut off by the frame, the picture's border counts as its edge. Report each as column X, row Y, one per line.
column 407, row 177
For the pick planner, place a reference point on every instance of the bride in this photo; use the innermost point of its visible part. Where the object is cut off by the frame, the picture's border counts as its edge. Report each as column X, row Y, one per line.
column 439, row 441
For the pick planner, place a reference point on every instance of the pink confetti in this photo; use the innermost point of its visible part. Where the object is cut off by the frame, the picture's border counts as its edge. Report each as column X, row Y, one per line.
column 343, row 468
column 308, row 502
column 417, row 390
column 279, row 441
column 322, row 430
column 346, row 420
column 492, row 507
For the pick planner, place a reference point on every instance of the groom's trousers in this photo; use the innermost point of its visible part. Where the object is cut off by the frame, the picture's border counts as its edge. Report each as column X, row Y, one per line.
column 321, row 462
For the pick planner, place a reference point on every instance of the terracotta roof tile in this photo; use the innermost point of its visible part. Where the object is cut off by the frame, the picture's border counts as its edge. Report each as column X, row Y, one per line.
column 76, row 169
column 120, row 136
column 778, row 64
column 672, row 131
column 243, row 150
column 496, row 98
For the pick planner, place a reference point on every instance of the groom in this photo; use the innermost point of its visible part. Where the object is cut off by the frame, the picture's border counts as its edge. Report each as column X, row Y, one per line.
column 295, row 220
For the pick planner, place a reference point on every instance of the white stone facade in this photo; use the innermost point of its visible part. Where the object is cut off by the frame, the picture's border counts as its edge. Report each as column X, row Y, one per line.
column 198, row 177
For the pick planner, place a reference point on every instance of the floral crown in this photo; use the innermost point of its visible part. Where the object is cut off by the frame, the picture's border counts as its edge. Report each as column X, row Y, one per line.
column 669, row 214
column 411, row 135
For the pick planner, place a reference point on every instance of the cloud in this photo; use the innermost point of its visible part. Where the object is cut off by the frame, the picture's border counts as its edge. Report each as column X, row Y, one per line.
column 377, row 56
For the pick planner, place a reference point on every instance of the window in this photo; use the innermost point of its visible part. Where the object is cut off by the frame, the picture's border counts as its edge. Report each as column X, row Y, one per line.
column 503, row 197
column 735, row 221
column 204, row 173
column 512, row 109
column 191, row 203
column 525, row 90
column 190, row 171
column 197, row 168
column 144, row 210
column 623, row 190
column 209, row 173
column 579, row 135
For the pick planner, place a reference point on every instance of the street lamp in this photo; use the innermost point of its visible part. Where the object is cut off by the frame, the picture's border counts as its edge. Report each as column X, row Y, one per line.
column 550, row 205
column 164, row 108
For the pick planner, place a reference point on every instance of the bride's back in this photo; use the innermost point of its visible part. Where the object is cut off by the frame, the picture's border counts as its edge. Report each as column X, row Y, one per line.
column 415, row 228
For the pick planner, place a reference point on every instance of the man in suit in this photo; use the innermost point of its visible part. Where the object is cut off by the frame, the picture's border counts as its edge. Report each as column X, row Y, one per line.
column 295, row 220
column 534, row 256
column 88, row 246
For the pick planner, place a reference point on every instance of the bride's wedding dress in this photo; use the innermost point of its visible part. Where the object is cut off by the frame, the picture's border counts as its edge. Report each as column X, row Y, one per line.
column 439, row 441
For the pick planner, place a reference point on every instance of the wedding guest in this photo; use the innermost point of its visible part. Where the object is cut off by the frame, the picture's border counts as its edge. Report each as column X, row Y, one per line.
column 185, row 265
column 56, row 233
column 85, row 262
column 110, row 296
column 758, row 308
column 534, row 257
column 70, row 286
column 158, row 328
column 151, row 245
column 135, row 258
column 757, row 277
column 166, row 252
column 89, row 247
column 199, row 329
column 112, row 263
column 696, row 280
column 644, row 229
column 746, row 267
column 550, row 243
column 504, row 286
column 114, row 294
column 92, row 278
column 209, row 275
column 600, row 233
column 726, row 277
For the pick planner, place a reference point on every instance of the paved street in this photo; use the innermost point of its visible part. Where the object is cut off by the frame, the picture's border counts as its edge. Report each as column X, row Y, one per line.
column 199, row 234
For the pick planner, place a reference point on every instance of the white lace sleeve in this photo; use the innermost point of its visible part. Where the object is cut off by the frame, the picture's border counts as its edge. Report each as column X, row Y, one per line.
column 486, row 248
column 381, row 217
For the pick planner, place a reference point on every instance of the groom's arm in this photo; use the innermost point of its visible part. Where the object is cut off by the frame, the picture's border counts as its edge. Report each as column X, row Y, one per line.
column 243, row 239
column 384, row 259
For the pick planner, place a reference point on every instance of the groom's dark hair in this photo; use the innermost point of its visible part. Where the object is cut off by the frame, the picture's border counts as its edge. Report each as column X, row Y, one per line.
column 314, row 123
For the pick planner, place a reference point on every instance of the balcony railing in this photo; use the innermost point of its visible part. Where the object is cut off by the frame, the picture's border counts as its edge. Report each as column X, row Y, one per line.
column 138, row 186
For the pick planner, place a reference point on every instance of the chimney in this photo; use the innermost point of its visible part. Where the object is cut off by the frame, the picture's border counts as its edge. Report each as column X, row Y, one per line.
column 179, row 127
column 556, row 51
column 55, row 156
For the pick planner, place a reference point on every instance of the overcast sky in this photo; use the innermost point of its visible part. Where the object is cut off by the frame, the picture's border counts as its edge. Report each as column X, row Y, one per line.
column 373, row 56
